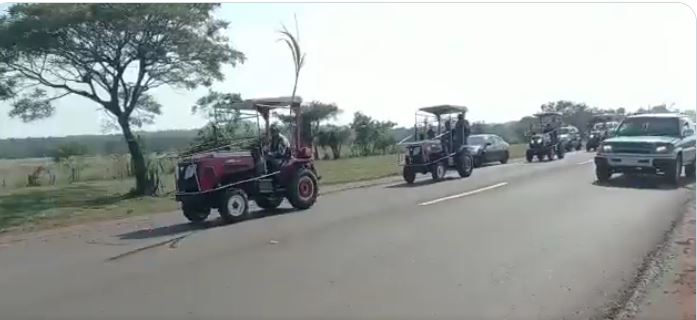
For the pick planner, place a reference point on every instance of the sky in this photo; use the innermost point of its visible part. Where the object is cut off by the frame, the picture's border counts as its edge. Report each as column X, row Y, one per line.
column 502, row 61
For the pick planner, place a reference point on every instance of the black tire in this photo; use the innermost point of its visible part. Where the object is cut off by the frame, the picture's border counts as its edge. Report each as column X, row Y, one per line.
column 465, row 165
column 588, row 148
column 673, row 174
column 550, row 155
column 234, row 206
column 478, row 160
column 560, row 153
column 504, row 160
column 528, row 155
column 303, row 190
column 195, row 213
column 438, row 171
column 268, row 203
column 408, row 174
column 602, row 173
column 690, row 170
column 579, row 146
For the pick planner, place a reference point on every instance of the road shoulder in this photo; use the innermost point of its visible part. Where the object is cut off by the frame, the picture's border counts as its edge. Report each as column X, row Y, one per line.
column 672, row 294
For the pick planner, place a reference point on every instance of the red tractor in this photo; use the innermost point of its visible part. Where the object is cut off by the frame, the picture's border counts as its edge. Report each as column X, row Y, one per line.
column 226, row 179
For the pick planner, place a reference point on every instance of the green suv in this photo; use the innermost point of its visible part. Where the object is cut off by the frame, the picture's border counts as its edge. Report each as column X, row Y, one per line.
column 658, row 144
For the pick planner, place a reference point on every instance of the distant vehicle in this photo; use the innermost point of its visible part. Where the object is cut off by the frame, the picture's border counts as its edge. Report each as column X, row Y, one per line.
column 601, row 127
column 226, row 179
column 545, row 141
column 571, row 138
column 658, row 144
column 487, row 148
column 431, row 154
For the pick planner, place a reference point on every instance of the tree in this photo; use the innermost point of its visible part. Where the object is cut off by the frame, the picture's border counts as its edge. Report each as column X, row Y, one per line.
column 371, row 134
column 68, row 150
column 111, row 54
column 312, row 116
column 225, row 123
column 333, row 137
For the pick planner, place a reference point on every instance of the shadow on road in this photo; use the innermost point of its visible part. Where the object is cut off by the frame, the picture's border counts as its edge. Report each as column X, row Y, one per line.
column 419, row 183
column 646, row 182
column 181, row 228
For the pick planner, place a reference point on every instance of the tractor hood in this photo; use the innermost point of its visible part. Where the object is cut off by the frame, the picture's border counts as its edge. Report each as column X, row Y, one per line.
column 644, row 139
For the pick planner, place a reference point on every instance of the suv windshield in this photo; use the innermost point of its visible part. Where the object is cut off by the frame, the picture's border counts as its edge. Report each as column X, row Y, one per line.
column 476, row 140
column 565, row 131
column 644, row 126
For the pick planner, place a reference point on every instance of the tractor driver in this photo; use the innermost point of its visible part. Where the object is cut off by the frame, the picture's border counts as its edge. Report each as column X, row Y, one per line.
column 278, row 149
column 461, row 132
column 552, row 133
column 446, row 139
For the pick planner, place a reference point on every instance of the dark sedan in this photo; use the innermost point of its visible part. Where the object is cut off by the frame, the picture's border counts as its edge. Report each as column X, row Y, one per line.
column 488, row 148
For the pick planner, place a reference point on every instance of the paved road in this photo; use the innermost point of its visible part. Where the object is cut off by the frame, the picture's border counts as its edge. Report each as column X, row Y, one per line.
column 516, row 241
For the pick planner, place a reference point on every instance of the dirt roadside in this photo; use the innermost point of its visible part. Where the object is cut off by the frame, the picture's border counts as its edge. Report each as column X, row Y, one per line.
column 672, row 295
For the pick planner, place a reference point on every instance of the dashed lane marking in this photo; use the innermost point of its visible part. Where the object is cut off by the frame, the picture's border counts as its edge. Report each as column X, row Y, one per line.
column 464, row 194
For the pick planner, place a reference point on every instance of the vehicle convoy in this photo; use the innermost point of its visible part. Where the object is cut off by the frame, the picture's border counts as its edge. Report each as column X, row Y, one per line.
column 657, row 144
column 570, row 138
column 226, row 178
column 601, row 127
column 545, row 141
column 486, row 148
column 437, row 151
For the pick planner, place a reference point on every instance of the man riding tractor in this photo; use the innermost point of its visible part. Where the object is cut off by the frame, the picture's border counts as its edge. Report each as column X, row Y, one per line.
column 447, row 149
column 266, row 171
column 546, row 144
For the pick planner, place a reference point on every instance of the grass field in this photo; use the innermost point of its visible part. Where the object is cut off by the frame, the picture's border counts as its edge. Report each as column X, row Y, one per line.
column 102, row 197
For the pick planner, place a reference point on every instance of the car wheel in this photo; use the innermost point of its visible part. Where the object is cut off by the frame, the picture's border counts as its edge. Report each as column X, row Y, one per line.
column 195, row 213
column 303, row 190
column 234, row 206
column 528, row 155
column 602, row 173
column 504, row 160
column 464, row 165
column 578, row 147
column 408, row 174
column 478, row 160
column 268, row 203
column 690, row 170
column 438, row 171
column 673, row 174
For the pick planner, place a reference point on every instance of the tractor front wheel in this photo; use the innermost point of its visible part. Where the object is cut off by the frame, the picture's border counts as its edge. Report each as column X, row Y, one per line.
column 438, row 171
column 408, row 174
column 303, row 190
column 268, row 203
column 234, row 206
column 195, row 213
column 528, row 155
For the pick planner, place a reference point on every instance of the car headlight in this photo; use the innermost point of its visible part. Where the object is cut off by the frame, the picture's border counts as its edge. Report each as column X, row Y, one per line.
column 607, row 148
column 663, row 149
column 592, row 136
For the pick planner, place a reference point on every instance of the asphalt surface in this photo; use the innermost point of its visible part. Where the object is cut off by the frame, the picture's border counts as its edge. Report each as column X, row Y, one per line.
column 515, row 241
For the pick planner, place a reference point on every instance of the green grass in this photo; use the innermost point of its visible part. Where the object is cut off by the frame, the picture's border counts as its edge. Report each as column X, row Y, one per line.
column 64, row 204
column 357, row 169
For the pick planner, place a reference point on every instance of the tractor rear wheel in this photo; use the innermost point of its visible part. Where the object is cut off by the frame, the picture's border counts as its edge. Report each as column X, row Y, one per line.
column 464, row 165
column 303, row 190
column 234, row 206
column 195, row 213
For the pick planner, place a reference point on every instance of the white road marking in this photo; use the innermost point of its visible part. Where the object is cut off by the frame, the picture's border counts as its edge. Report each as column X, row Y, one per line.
column 586, row 162
column 464, row 194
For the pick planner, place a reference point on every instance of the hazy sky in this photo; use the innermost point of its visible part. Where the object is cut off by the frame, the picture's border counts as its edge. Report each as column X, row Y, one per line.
column 501, row 60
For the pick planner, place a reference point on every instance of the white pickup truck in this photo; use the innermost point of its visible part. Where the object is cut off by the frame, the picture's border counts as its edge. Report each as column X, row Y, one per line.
column 659, row 144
